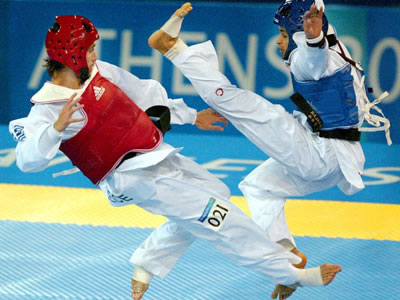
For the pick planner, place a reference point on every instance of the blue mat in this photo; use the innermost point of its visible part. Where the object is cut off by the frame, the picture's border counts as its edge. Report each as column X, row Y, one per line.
column 86, row 262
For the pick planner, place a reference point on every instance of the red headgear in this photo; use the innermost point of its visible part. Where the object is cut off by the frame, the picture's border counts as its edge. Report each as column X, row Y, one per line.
column 69, row 40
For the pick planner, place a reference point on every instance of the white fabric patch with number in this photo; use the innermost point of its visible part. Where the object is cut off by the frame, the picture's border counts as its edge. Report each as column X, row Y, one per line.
column 214, row 214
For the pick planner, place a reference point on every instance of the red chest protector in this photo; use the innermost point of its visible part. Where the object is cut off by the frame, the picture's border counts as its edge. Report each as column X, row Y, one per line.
column 115, row 126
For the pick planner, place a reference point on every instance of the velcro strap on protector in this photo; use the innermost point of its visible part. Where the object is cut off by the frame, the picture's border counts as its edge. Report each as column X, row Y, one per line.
column 332, row 40
column 313, row 118
column 161, row 117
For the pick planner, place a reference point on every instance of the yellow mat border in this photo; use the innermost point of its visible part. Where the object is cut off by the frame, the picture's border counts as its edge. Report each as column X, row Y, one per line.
column 82, row 206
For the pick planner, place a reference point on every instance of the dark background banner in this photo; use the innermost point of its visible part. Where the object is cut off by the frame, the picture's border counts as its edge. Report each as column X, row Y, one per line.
column 243, row 34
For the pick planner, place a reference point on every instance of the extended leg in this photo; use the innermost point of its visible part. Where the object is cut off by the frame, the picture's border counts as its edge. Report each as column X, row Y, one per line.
column 207, row 215
column 266, row 125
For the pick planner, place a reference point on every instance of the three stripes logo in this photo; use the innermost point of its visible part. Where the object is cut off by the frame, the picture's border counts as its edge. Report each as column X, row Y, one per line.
column 98, row 92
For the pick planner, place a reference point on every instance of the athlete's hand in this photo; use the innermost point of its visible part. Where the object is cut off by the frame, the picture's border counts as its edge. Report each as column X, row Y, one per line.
column 313, row 22
column 65, row 117
column 206, row 119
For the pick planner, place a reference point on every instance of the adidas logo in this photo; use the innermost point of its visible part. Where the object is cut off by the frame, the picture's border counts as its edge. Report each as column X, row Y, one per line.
column 98, row 92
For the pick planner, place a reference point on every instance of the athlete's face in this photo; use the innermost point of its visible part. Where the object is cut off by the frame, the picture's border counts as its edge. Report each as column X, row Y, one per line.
column 282, row 40
column 91, row 57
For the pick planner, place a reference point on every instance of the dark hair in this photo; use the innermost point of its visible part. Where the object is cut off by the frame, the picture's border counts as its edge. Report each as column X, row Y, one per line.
column 53, row 66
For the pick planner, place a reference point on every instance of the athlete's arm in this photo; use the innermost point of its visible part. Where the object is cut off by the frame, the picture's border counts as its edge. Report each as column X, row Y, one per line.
column 38, row 139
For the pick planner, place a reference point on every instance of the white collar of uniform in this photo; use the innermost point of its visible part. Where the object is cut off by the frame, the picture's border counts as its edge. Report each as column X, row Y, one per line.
column 50, row 92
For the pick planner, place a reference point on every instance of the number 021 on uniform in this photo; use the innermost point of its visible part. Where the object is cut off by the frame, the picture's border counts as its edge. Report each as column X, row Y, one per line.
column 214, row 214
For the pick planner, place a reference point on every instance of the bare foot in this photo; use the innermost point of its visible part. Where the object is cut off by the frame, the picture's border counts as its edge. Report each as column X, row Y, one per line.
column 138, row 289
column 162, row 41
column 328, row 272
column 284, row 291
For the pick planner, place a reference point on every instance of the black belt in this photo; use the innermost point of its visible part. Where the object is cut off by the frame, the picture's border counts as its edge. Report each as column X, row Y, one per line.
column 313, row 118
column 351, row 134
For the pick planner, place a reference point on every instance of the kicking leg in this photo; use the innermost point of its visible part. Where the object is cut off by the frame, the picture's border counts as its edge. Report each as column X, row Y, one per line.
column 268, row 126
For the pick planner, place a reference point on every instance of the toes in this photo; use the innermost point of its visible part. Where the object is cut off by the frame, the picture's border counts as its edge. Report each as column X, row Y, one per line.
column 328, row 273
column 184, row 10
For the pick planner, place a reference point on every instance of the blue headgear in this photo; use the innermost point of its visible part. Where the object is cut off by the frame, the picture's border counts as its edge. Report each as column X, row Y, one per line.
column 290, row 16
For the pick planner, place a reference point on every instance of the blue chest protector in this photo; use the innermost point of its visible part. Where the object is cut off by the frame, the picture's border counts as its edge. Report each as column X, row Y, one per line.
column 333, row 98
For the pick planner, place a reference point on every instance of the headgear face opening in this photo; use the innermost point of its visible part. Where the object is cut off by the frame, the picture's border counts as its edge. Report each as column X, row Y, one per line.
column 68, row 41
column 290, row 16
